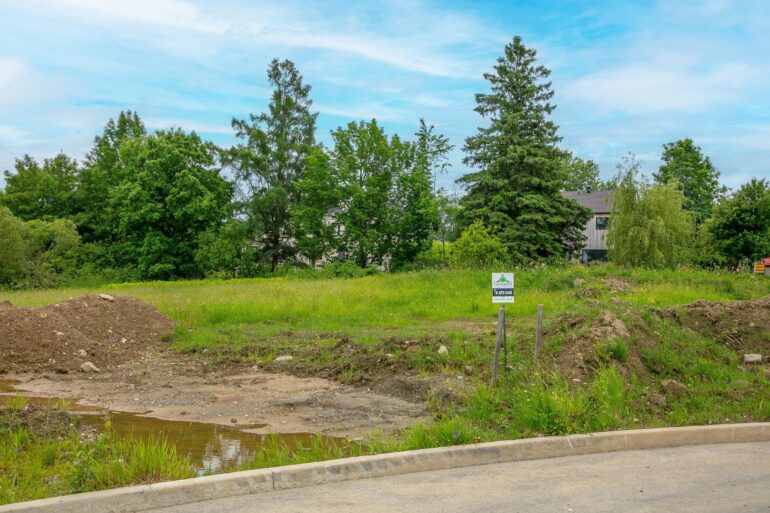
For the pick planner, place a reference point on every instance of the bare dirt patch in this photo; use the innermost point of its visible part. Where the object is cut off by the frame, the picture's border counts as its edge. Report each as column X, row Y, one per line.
column 140, row 373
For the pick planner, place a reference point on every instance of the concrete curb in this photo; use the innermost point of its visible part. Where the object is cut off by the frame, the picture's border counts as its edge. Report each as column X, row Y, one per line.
column 171, row 493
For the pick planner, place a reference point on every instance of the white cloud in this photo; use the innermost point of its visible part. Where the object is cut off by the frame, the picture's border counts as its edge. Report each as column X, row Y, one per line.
column 13, row 136
column 659, row 85
column 367, row 111
column 175, row 13
column 188, row 125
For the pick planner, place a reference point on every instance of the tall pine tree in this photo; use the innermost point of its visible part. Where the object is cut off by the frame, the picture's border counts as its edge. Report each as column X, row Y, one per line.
column 272, row 158
column 516, row 190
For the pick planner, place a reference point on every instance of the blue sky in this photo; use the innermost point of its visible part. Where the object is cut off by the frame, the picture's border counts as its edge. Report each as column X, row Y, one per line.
column 628, row 76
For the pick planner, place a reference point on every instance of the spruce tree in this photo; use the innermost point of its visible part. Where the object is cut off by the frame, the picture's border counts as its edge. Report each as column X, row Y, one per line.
column 515, row 191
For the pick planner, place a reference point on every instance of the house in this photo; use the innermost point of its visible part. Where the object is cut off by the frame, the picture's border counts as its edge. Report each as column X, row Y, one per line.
column 596, row 228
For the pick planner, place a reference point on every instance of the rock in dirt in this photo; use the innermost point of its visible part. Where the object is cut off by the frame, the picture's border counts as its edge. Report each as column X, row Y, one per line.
column 89, row 367
column 107, row 297
column 443, row 350
column 752, row 358
column 674, row 387
column 83, row 353
column 284, row 358
column 659, row 400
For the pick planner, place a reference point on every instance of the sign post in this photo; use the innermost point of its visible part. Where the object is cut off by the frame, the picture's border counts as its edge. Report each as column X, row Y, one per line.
column 759, row 268
column 502, row 292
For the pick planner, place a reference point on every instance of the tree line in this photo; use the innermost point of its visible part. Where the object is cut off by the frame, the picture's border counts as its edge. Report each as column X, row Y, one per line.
column 170, row 205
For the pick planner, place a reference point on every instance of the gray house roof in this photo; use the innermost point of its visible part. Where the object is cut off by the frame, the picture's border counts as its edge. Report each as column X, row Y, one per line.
column 597, row 201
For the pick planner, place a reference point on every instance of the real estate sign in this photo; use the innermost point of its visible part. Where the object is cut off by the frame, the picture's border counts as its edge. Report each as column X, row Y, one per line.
column 502, row 287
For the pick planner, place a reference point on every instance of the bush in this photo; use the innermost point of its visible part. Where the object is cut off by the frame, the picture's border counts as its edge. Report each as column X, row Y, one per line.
column 12, row 248
column 477, row 248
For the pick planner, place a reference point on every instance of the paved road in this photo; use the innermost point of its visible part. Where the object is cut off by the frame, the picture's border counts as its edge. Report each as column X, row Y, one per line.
column 709, row 478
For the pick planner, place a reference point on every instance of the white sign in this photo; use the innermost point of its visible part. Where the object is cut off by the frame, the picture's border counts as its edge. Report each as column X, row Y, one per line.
column 502, row 287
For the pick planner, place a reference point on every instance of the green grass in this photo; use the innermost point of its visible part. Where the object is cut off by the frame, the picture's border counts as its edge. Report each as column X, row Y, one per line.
column 35, row 465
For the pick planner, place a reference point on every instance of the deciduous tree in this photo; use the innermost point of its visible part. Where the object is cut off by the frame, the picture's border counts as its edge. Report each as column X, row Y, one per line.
column 172, row 192
column 684, row 163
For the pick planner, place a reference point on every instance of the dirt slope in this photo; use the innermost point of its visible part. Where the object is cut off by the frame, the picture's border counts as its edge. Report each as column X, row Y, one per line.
column 111, row 331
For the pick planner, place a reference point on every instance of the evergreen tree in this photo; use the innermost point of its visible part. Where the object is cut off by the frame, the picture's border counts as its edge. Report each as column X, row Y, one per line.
column 272, row 158
column 685, row 163
column 516, row 190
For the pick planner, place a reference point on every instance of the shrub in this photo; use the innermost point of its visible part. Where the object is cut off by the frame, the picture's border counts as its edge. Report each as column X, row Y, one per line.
column 12, row 247
column 476, row 247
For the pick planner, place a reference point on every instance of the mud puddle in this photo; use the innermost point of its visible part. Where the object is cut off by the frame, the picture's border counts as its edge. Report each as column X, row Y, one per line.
column 212, row 447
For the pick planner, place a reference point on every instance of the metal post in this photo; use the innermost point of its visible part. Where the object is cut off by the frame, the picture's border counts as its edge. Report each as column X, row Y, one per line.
column 505, row 342
column 539, row 333
column 498, row 342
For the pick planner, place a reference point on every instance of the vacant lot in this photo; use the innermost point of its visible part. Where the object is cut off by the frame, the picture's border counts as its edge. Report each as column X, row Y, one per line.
column 623, row 348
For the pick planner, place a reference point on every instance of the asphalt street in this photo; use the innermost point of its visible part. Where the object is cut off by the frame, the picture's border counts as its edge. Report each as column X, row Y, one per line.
column 705, row 478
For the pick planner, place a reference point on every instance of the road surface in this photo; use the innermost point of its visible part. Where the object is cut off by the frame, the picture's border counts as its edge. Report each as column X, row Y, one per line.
column 706, row 478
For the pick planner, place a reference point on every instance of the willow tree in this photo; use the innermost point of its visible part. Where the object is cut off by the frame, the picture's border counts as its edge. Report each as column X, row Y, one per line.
column 649, row 225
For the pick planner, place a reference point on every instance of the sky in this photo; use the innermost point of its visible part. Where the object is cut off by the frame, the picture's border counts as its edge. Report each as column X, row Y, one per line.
column 628, row 77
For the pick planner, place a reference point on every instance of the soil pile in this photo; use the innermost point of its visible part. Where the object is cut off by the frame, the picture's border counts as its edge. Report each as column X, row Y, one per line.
column 100, row 329
column 588, row 346
column 742, row 325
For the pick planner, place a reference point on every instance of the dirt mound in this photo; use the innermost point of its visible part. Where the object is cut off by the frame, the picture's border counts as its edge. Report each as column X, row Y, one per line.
column 742, row 325
column 588, row 346
column 104, row 330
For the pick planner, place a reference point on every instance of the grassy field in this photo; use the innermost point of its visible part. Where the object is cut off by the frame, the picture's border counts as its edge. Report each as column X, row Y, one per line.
column 638, row 364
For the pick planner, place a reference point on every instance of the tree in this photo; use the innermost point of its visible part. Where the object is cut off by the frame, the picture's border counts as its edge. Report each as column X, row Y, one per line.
column 172, row 192
column 412, row 210
column 447, row 208
column 580, row 174
column 649, row 226
column 685, row 163
column 272, row 159
column 41, row 192
column 363, row 163
column 13, row 249
column 433, row 150
column 225, row 251
column 739, row 228
column 103, row 170
column 476, row 247
column 314, row 217
column 516, row 190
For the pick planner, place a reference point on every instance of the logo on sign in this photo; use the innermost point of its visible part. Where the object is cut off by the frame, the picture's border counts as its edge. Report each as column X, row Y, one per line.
column 502, row 287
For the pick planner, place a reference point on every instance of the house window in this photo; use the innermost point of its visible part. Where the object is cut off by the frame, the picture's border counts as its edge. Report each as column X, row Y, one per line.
column 602, row 222
column 590, row 255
